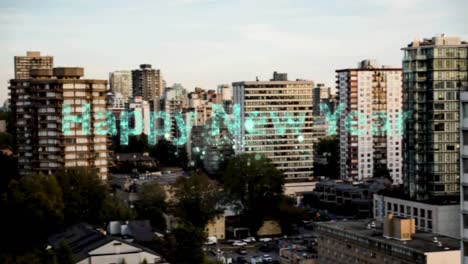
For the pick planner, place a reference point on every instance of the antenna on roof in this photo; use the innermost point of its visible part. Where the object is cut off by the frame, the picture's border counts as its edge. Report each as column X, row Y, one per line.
column 256, row 78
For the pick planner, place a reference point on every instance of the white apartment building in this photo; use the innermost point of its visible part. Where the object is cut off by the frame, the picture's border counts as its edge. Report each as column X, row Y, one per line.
column 143, row 107
column 365, row 143
column 429, row 217
column 291, row 152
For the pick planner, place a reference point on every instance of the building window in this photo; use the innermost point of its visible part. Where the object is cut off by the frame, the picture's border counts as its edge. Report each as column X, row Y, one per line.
column 415, row 211
column 402, row 209
column 423, row 212
column 429, row 214
column 395, row 208
column 408, row 210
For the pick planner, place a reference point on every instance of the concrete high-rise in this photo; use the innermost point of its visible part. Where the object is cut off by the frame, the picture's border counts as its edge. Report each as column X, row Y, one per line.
column 277, row 99
column 369, row 140
column 464, row 173
column 37, row 106
column 32, row 60
column 147, row 83
column 121, row 82
column 434, row 70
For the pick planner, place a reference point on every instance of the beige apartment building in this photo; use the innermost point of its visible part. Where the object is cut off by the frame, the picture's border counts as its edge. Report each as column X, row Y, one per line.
column 291, row 152
column 37, row 104
column 32, row 60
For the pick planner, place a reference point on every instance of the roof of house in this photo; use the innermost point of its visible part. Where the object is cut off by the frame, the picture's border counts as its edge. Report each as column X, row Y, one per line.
column 83, row 238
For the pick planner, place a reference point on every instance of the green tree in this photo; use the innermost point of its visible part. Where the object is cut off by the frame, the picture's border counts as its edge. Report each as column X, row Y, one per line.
column 189, row 240
column 64, row 254
column 169, row 155
column 381, row 171
column 327, row 148
column 9, row 167
column 33, row 204
column 84, row 196
column 6, row 141
column 152, row 204
column 288, row 215
column 196, row 199
column 255, row 186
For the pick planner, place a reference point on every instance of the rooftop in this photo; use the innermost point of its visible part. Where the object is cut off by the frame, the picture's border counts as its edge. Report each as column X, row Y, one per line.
column 422, row 242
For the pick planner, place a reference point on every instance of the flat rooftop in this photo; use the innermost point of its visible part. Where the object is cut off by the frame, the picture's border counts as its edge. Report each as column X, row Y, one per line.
column 421, row 242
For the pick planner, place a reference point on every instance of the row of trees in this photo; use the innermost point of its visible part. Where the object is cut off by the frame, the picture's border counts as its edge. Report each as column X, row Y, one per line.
column 38, row 205
column 35, row 206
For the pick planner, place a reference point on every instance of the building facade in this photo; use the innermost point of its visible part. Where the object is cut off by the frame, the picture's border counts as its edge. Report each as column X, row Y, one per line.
column 264, row 103
column 434, row 70
column 435, row 218
column 464, row 173
column 32, row 60
column 370, row 100
column 147, row 83
column 363, row 241
column 121, row 82
column 38, row 108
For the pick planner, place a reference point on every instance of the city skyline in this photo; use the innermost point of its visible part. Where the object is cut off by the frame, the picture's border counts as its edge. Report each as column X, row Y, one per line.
column 236, row 41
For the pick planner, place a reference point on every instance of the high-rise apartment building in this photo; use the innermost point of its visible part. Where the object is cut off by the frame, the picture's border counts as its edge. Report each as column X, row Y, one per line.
column 121, row 82
column 32, row 60
column 464, row 173
column 271, row 104
column 147, row 83
column 173, row 101
column 434, row 70
column 38, row 105
column 369, row 136
column 321, row 95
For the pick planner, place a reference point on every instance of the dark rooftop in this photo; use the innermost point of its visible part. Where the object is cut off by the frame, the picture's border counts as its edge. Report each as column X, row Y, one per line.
column 422, row 241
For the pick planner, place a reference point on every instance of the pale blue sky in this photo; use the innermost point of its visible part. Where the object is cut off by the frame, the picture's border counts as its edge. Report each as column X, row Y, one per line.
column 208, row 42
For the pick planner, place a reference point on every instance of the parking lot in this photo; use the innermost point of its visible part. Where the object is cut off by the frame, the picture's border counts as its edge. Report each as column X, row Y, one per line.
column 227, row 251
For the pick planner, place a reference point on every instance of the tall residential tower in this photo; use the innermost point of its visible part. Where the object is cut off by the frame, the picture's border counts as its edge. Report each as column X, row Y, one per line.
column 37, row 106
column 434, row 70
column 371, row 98
column 267, row 102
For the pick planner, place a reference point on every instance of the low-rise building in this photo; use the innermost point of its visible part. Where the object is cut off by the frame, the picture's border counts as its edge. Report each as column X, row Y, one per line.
column 346, row 198
column 217, row 227
column 431, row 217
column 364, row 241
column 90, row 246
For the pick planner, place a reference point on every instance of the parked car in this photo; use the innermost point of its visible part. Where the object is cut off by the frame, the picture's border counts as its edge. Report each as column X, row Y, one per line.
column 265, row 239
column 239, row 243
column 267, row 258
column 241, row 260
column 249, row 239
column 241, row 251
column 212, row 240
column 265, row 248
